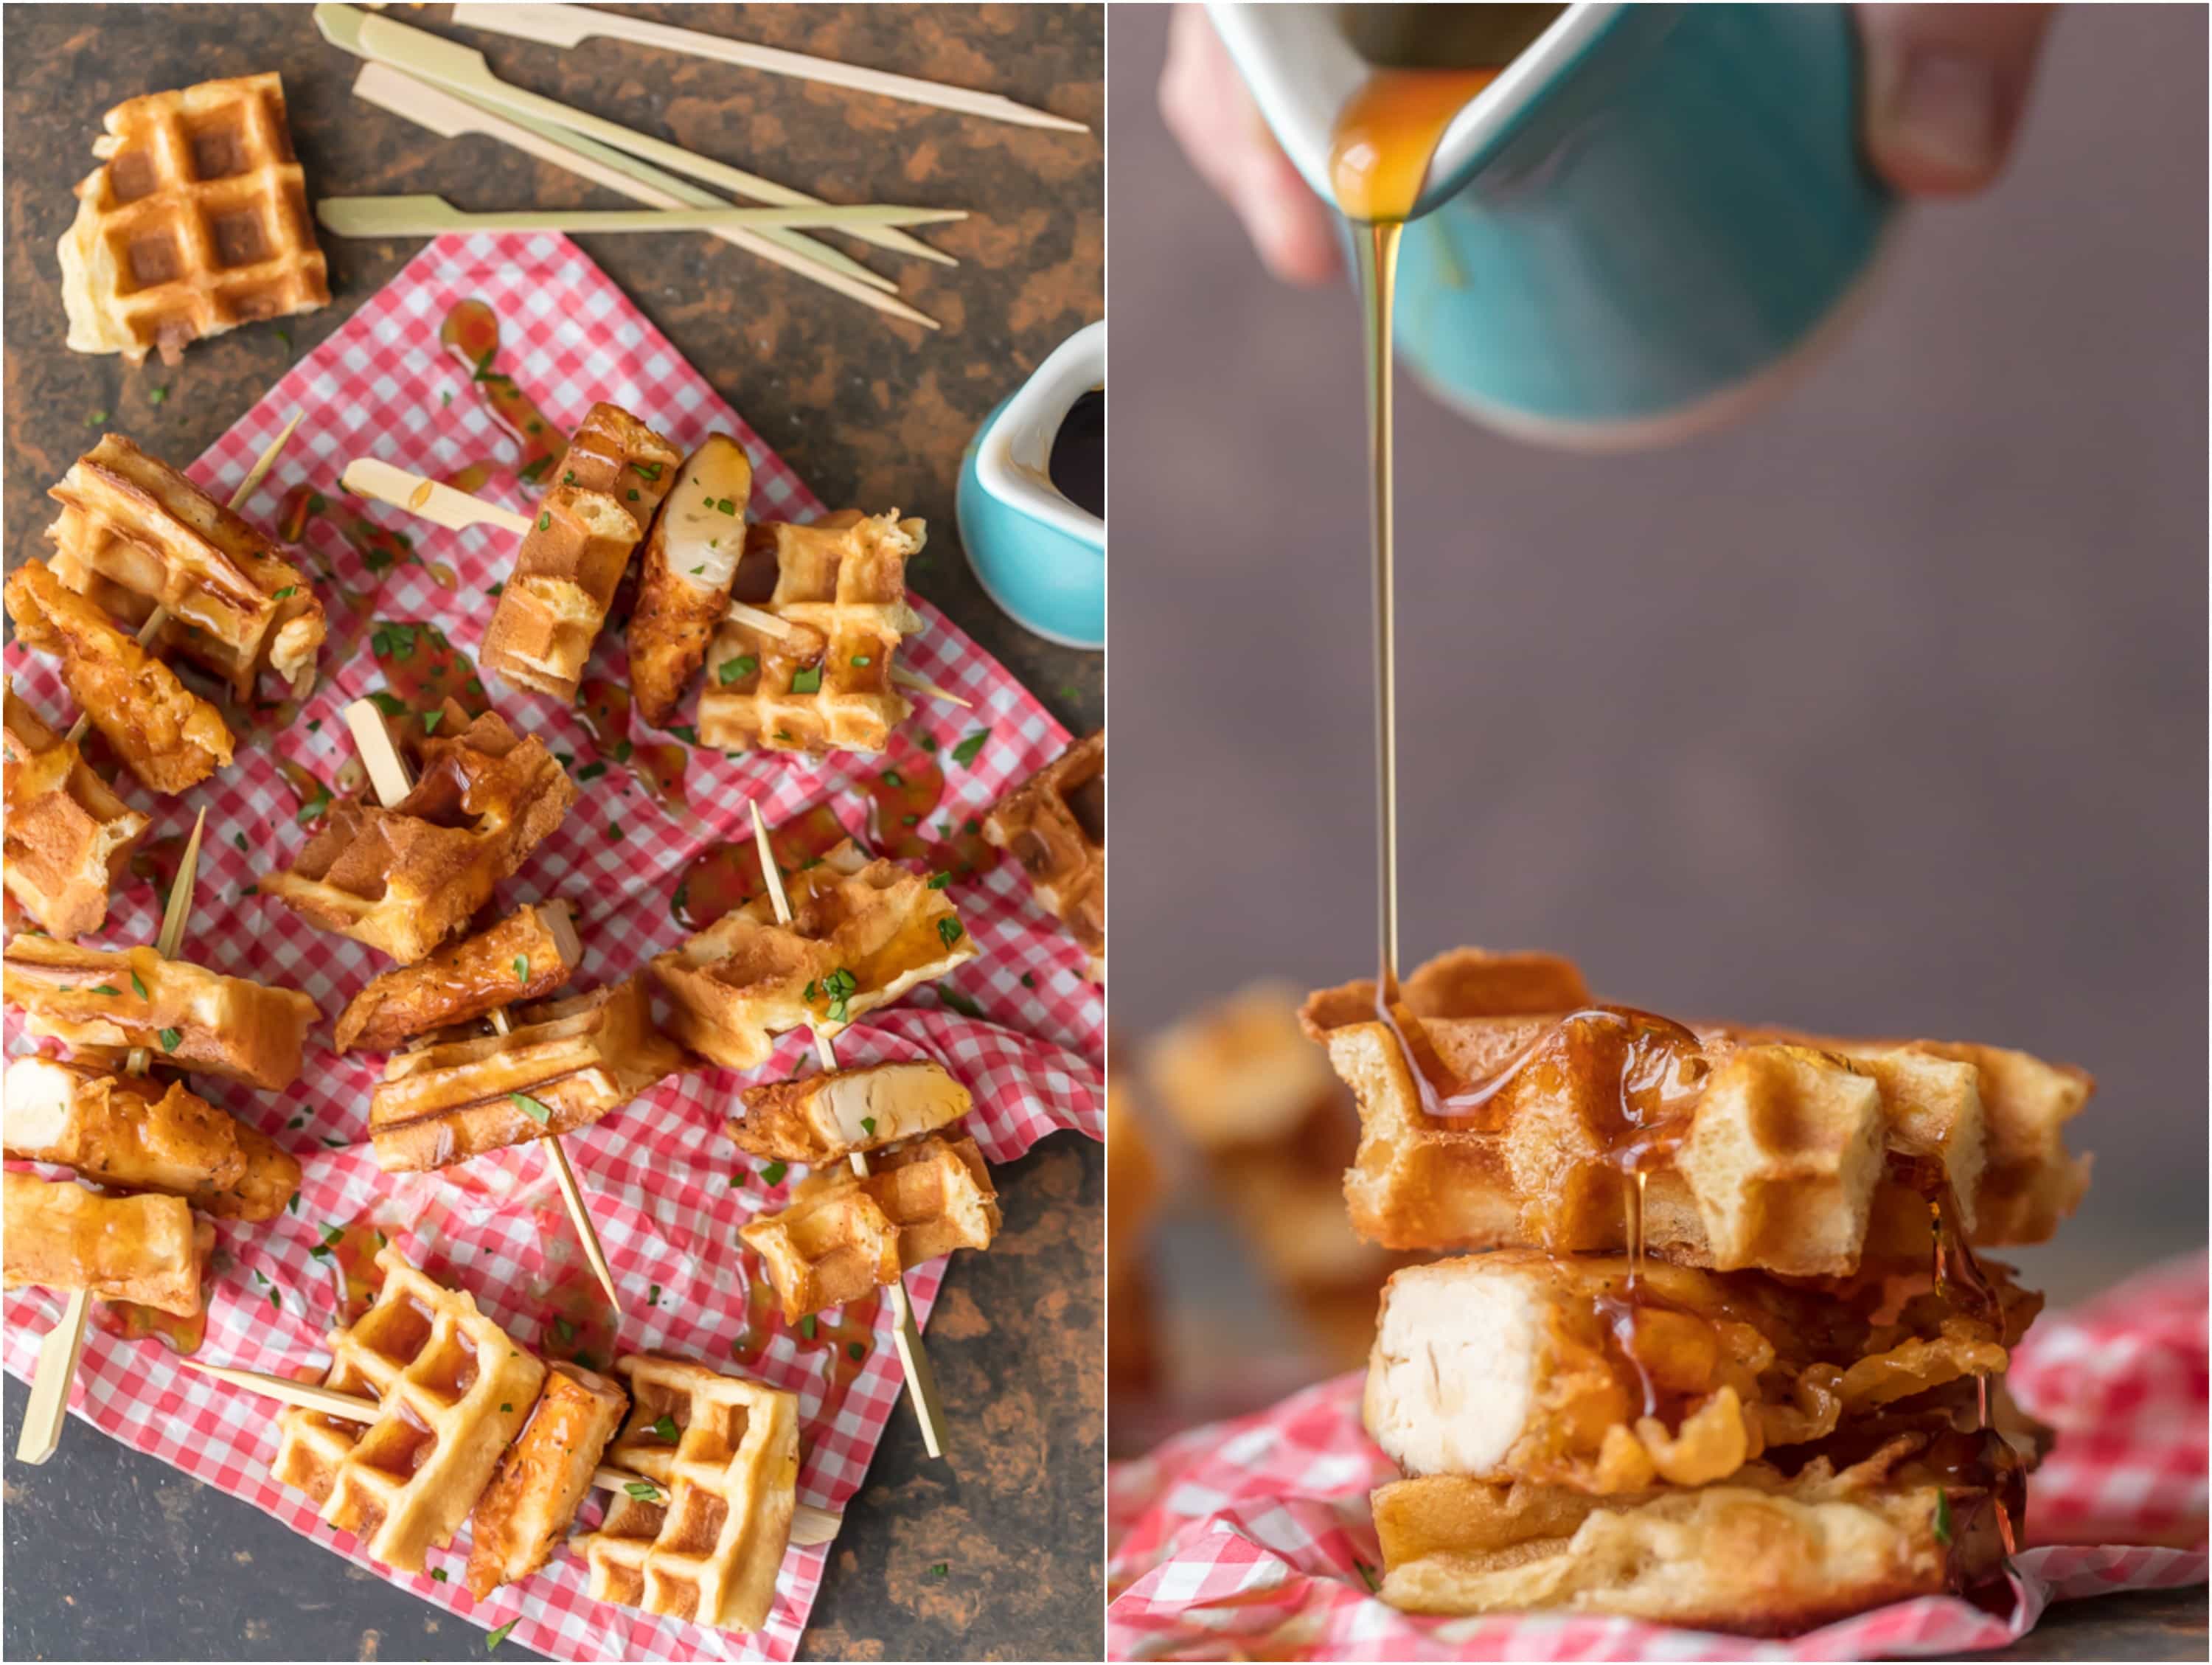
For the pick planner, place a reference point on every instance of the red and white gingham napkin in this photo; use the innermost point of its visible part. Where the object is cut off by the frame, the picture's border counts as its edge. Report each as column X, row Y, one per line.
column 1252, row 1538
column 666, row 1188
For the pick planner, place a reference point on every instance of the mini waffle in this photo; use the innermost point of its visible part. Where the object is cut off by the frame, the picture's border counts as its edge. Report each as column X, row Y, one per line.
column 186, row 1016
column 526, row 957
column 690, row 563
column 452, row 1389
column 196, row 222
column 134, row 535
column 130, row 1131
column 1055, row 822
column 543, row 1478
column 820, row 1119
column 166, row 734
column 405, row 879
column 562, row 1066
column 60, row 1235
column 862, row 933
column 843, row 1234
column 708, row 1549
column 606, row 487
column 824, row 685
column 1759, row 1149
column 1518, row 1365
column 69, row 837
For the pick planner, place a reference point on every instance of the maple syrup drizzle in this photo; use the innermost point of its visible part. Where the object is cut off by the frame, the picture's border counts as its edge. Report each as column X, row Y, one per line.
column 901, row 799
column 351, row 1251
column 659, row 766
column 470, row 334
column 579, row 1324
column 727, row 876
column 129, row 1321
column 844, row 1344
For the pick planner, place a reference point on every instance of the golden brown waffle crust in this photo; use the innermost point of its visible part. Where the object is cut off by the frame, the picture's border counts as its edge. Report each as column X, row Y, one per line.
column 1783, row 1169
column 143, row 1248
column 196, row 221
column 1760, row 1560
column 1037, row 824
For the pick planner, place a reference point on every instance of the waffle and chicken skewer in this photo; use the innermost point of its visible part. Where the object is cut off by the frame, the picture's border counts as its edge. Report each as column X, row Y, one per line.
column 145, row 1249
column 406, row 879
column 1569, row 1421
column 690, row 559
column 463, row 1420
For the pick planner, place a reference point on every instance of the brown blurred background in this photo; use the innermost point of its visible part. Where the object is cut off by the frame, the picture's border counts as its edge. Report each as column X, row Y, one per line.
column 1882, row 713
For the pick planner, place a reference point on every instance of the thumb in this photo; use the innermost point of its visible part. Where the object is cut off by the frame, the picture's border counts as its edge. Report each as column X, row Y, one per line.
column 1946, row 88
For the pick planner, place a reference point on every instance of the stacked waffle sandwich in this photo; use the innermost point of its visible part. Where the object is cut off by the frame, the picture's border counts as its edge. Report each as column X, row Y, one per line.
column 463, row 1420
column 1725, row 1356
column 136, row 538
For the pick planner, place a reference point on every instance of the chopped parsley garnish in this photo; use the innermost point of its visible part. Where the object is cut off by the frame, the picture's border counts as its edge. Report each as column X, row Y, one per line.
column 532, row 1108
column 948, row 931
column 138, row 986
column 938, row 881
column 294, row 1204
column 685, row 733
column 1367, row 1577
column 935, row 1572
column 590, row 771
column 806, row 1327
column 315, row 806
column 959, row 1002
column 929, row 743
column 860, row 660
column 839, row 986
column 621, row 751
column 285, row 593
column 563, row 1329
column 569, row 477
column 893, row 778
column 390, row 704
column 492, row 1642
column 854, row 1350
column 95, row 419
column 170, row 1038
column 868, row 1125
column 653, row 1296
column 614, row 834
column 808, row 681
column 437, row 1575
column 646, row 470
column 1942, row 1515
column 773, row 1173
column 726, row 506
column 156, row 395
column 1028, row 982
column 664, row 1425
column 730, row 670
column 966, row 751
column 522, row 967
column 238, row 839
column 643, row 1491
column 495, row 588
column 544, row 519
column 431, row 720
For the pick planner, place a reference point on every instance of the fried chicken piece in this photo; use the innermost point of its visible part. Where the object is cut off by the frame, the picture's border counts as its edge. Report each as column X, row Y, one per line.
column 131, row 1132
column 144, row 1249
column 820, row 1119
column 689, row 562
column 69, row 837
column 166, row 735
column 544, row 1477
column 526, row 957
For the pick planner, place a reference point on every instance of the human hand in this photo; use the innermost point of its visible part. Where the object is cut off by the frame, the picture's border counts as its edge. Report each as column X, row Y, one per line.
column 1945, row 87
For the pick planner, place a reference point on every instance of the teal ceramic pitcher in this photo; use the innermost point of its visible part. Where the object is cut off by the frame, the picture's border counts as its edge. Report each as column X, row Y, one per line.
column 1652, row 218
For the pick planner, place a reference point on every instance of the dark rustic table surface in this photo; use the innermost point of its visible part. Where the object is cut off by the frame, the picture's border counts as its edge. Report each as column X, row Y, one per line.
column 113, row 1555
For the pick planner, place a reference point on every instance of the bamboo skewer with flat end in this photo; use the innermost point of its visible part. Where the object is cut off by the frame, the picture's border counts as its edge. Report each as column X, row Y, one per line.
column 387, row 775
column 920, row 1380
column 246, row 488
column 64, row 1345
column 809, row 1525
column 452, row 115
column 433, row 217
column 567, row 26
column 456, row 510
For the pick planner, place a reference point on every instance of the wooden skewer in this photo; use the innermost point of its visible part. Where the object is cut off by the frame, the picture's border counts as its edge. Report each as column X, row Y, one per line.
column 432, row 58
column 387, row 774
column 567, row 26
column 809, row 1525
column 921, row 1379
column 62, row 1346
column 453, row 115
column 433, row 217
column 246, row 488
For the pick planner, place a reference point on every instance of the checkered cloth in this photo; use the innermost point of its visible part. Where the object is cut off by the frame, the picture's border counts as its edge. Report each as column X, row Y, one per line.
column 1245, row 1538
column 666, row 1188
